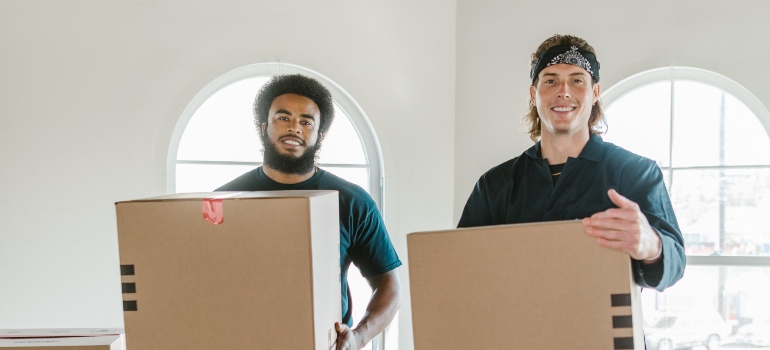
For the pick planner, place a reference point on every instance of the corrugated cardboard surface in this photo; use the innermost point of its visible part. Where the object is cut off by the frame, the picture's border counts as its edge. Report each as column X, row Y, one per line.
column 533, row 286
column 71, row 343
column 267, row 277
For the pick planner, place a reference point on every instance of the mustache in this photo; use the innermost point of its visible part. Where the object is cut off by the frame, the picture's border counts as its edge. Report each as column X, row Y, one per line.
column 292, row 137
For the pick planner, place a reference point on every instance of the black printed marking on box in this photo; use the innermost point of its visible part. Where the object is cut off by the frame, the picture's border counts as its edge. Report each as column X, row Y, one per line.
column 624, row 343
column 621, row 299
column 126, row 270
column 129, row 305
column 622, row 322
column 128, row 288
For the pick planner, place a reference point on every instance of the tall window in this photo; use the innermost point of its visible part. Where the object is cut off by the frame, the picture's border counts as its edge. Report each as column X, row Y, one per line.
column 216, row 140
column 710, row 138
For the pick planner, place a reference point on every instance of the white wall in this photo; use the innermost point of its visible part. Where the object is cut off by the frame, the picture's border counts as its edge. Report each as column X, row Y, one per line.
column 495, row 40
column 90, row 92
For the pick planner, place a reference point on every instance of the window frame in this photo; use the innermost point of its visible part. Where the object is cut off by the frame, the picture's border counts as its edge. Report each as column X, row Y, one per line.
column 672, row 74
column 343, row 100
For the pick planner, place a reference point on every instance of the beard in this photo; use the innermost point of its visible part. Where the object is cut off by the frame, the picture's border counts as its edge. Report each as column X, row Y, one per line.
column 287, row 164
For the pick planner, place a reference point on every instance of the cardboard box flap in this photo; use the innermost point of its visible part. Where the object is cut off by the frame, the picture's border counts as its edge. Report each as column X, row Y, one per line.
column 233, row 195
column 497, row 227
column 58, row 332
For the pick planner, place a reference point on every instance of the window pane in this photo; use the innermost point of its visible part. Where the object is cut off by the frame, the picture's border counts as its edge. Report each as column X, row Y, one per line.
column 730, row 303
column 744, row 134
column 358, row 176
column 360, row 293
column 696, row 124
column 206, row 178
column 342, row 145
column 736, row 225
column 639, row 122
column 223, row 127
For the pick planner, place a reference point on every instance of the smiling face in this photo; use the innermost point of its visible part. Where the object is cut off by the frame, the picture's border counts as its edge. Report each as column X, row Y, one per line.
column 564, row 96
column 292, row 124
column 290, row 137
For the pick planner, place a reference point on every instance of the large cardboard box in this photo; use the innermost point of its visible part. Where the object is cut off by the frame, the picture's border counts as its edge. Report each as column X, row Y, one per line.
column 112, row 342
column 532, row 286
column 261, row 271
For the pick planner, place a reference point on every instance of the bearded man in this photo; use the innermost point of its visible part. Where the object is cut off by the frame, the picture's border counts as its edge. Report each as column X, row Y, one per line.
column 293, row 114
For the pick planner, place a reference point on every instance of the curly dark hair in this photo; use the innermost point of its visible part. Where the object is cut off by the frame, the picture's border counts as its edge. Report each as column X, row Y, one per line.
column 294, row 84
column 596, row 123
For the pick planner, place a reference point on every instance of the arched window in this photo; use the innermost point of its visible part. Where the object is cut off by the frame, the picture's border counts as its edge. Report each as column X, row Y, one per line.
column 215, row 137
column 710, row 137
column 215, row 140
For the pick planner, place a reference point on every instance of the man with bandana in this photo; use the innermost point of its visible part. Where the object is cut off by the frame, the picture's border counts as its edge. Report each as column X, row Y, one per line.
column 570, row 173
column 292, row 114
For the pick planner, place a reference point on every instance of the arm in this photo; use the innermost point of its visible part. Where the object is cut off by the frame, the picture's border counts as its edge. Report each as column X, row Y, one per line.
column 386, row 299
column 476, row 212
column 670, row 267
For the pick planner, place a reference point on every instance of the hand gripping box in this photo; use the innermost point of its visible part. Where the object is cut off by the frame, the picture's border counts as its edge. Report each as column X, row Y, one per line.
column 528, row 286
column 248, row 270
column 112, row 342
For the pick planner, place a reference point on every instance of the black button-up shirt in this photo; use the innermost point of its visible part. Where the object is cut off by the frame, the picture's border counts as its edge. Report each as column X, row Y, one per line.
column 521, row 190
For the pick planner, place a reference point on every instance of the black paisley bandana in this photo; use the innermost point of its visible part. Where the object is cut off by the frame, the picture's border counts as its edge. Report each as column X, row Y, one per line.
column 569, row 54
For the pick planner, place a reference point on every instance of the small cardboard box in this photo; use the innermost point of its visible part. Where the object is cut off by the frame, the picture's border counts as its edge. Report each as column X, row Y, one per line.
column 112, row 342
column 58, row 332
column 261, row 271
column 528, row 286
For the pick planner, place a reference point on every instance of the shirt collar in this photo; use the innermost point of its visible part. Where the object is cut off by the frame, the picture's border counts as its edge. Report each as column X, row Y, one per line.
column 592, row 150
column 261, row 174
column 534, row 151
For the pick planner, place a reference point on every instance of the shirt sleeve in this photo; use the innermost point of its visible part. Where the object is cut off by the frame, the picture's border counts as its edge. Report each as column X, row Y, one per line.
column 648, row 190
column 477, row 211
column 371, row 249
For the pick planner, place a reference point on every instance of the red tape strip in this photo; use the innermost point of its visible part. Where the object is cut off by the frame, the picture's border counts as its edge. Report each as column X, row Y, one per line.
column 213, row 210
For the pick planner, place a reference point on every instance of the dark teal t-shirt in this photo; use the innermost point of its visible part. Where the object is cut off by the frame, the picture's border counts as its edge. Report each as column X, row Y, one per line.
column 364, row 241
